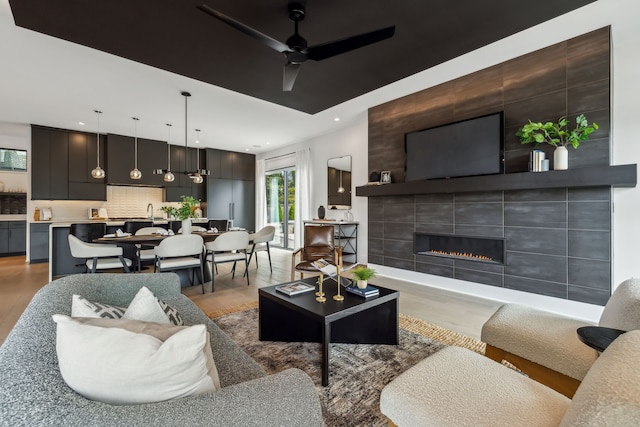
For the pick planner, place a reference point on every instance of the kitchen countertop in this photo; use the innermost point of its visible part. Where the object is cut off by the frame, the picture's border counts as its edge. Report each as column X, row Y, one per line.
column 68, row 223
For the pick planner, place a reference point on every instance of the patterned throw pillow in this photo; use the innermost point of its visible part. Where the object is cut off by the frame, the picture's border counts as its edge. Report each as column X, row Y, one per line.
column 81, row 307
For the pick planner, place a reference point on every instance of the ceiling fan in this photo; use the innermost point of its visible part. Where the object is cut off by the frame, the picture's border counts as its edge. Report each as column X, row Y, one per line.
column 296, row 50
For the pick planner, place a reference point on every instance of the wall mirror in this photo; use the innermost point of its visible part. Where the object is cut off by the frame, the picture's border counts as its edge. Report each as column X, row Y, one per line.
column 339, row 191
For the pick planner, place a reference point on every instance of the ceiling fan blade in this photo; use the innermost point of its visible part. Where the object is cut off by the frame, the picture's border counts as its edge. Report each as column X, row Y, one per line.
column 289, row 76
column 272, row 43
column 327, row 50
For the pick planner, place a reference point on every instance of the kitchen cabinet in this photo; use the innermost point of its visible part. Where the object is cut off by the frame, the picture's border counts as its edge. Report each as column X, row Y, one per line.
column 38, row 242
column 13, row 237
column 61, row 164
column 232, row 199
column 121, row 160
column 183, row 185
column 231, row 165
column 49, row 164
column 82, row 160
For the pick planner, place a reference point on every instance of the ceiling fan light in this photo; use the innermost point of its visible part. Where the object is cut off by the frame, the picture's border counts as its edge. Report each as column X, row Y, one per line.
column 169, row 177
column 97, row 173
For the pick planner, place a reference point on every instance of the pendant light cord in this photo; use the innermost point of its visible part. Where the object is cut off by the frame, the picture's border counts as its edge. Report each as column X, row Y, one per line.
column 169, row 148
column 98, row 138
column 135, row 146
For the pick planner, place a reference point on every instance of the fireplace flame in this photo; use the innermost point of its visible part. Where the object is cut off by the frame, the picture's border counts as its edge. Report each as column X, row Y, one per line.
column 461, row 255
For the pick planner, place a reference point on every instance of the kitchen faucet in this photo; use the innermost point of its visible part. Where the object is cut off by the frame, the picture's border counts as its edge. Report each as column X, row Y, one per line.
column 150, row 206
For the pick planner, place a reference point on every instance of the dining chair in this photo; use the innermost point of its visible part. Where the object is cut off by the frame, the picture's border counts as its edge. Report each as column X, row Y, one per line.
column 219, row 224
column 98, row 256
column 194, row 228
column 146, row 252
column 133, row 226
column 180, row 252
column 230, row 246
column 259, row 241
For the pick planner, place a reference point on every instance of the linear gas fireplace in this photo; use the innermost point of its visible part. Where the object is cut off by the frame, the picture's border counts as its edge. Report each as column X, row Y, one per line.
column 481, row 249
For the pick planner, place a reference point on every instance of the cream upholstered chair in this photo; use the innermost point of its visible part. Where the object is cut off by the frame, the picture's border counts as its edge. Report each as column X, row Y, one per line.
column 98, row 256
column 145, row 252
column 230, row 246
column 546, row 347
column 181, row 252
column 457, row 387
column 259, row 241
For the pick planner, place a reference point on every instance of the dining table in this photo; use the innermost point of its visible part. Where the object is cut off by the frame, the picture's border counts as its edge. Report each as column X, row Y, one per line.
column 129, row 241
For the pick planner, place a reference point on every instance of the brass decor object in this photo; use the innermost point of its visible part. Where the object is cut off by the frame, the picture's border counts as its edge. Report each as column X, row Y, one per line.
column 338, row 297
column 320, row 295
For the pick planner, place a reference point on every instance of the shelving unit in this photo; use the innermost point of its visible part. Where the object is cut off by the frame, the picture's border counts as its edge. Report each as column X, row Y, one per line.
column 346, row 235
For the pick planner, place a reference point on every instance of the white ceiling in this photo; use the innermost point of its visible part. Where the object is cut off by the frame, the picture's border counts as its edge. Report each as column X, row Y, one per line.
column 52, row 82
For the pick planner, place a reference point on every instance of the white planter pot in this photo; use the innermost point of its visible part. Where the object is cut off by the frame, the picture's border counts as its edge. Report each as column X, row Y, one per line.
column 186, row 226
column 361, row 284
column 560, row 159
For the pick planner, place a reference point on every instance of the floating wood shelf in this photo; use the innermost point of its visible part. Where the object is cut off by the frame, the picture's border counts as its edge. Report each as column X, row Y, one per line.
column 597, row 176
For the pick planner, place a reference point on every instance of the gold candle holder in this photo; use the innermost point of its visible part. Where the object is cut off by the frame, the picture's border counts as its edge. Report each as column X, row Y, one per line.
column 320, row 295
column 338, row 297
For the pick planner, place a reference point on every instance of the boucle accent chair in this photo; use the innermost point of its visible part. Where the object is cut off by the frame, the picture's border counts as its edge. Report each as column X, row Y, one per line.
column 545, row 345
column 457, row 387
column 32, row 391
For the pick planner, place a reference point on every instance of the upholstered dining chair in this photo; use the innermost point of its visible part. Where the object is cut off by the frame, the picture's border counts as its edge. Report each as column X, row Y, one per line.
column 133, row 226
column 98, row 256
column 319, row 242
column 219, row 224
column 230, row 246
column 181, row 252
column 145, row 252
column 259, row 241
column 194, row 228
column 546, row 347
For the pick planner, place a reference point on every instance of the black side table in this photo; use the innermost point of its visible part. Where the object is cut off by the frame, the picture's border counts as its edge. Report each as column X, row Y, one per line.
column 598, row 337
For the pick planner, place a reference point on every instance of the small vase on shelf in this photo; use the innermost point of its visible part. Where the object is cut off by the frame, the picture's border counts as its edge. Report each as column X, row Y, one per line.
column 560, row 158
column 321, row 212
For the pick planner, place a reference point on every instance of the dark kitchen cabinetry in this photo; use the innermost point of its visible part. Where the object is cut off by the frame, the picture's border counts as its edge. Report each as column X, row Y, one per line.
column 13, row 237
column 121, row 160
column 183, row 185
column 231, row 187
column 49, row 164
column 61, row 164
column 38, row 242
column 82, row 160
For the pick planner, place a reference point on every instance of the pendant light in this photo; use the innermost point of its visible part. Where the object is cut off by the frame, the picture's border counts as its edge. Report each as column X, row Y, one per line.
column 135, row 173
column 168, row 175
column 197, row 177
column 98, row 172
column 341, row 188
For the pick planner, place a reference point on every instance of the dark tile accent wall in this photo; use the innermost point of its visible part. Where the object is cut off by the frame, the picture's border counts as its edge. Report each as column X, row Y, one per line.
column 558, row 241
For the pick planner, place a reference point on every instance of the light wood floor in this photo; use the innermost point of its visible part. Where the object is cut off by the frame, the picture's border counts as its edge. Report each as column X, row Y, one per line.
column 461, row 313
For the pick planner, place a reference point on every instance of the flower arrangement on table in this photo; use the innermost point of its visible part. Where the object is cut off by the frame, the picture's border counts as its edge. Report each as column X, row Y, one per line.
column 187, row 208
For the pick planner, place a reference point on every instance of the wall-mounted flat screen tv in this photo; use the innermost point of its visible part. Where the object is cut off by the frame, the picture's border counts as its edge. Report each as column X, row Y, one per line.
column 465, row 148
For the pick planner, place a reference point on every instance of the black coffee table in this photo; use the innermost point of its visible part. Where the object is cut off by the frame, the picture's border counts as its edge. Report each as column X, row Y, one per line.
column 355, row 320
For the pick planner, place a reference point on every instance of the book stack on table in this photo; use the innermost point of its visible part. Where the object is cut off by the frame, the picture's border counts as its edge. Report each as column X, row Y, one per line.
column 367, row 292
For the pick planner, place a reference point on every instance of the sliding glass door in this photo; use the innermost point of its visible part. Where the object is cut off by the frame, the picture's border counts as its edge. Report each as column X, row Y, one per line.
column 281, row 191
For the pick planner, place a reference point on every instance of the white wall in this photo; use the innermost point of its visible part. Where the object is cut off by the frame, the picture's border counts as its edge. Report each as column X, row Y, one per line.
column 623, row 16
column 350, row 140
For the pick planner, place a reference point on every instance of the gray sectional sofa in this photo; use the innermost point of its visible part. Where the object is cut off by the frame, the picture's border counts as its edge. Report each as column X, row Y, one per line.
column 32, row 391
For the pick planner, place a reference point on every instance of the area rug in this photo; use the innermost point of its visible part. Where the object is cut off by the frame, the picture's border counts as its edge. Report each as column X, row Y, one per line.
column 358, row 372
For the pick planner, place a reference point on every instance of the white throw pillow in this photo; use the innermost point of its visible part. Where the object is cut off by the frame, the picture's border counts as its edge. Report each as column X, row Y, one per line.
column 124, row 362
column 144, row 306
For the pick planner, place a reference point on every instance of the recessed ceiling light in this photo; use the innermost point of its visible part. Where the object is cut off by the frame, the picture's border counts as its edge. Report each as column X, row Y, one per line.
column 336, row 119
column 268, row 143
column 81, row 123
column 246, row 149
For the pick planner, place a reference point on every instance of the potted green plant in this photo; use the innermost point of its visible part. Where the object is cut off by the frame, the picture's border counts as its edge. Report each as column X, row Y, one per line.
column 184, row 212
column 361, row 274
column 558, row 135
